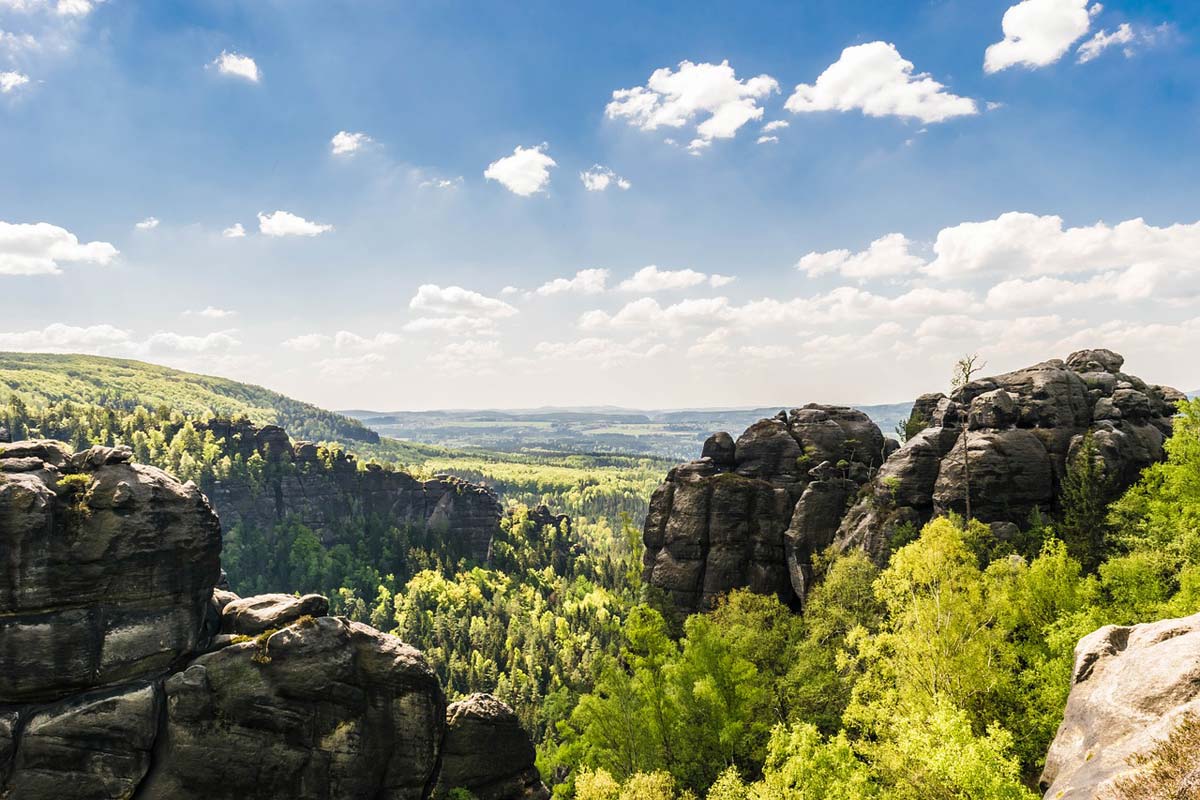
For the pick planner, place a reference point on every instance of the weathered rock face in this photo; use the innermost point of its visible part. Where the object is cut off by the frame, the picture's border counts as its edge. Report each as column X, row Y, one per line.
column 487, row 753
column 1131, row 687
column 1020, row 431
column 322, row 489
column 123, row 673
column 108, row 569
column 752, row 513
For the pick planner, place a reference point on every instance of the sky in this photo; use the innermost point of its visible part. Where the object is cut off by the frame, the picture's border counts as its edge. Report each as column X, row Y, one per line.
column 442, row 204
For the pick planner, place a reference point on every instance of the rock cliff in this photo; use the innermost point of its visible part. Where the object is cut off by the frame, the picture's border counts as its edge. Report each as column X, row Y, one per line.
column 487, row 753
column 751, row 513
column 1131, row 687
column 1021, row 430
column 323, row 488
column 125, row 673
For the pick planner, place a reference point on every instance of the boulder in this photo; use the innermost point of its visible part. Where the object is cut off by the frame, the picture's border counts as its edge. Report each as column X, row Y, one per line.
column 487, row 753
column 751, row 514
column 250, row 616
column 109, row 568
column 1131, row 686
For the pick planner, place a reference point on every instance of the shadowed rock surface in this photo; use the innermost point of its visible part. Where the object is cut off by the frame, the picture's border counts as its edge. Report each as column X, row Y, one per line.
column 322, row 488
column 1131, row 686
column 121, row 674
column 488, row 753
column 1021, row 428
column 752, row 513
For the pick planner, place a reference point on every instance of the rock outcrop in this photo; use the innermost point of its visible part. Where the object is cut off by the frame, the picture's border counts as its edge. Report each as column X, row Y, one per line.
column 1131, row 687
column 488, row 753
column 123, row 673
column 752, row 513
column 1020, row 430
column 323, row 488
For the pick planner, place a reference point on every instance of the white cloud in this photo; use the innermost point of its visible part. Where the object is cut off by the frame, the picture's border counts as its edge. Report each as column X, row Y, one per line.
column 40, row 249
column 646, row 314
column 525, row 172
column 167, row 341
column 459, row 325
column 354, row 368
column 887, row 256
column 12, row 80
column 64, row 8
column 345, row 143
column 1038, row 33
column 876, row 79
column 237, row 65
column 234, row 231
column 307, row 342
column 455, row 300
column 767, row 140
column 472, row 357
column 652, row 279
column 210, row 312
column 148, row 224
column 283, row 223
column 600, row 177
column 65, row 338
column 441, row 183
column 1017, row 243
column 1123, row 35
column 775, row 125
column 598, row 352
column 509, row 290
column 674, row 98
column 345, row 340
column 586, row 281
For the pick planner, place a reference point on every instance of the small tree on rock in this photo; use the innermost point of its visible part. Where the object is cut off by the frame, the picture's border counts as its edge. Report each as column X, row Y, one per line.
column 964, row 372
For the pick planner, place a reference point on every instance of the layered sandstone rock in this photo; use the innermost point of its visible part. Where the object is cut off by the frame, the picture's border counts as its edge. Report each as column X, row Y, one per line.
column 752, row 513
column 1131, row 686
column 124, row 673
column 322, row 488
column 1020, row 431
column 488, row 753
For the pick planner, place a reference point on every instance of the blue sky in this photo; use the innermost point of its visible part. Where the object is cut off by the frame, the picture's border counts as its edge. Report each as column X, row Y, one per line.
column 994, row 191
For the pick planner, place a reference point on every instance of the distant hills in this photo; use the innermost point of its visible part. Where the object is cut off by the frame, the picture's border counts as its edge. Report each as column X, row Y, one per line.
column 41, row 379
column 673, row 433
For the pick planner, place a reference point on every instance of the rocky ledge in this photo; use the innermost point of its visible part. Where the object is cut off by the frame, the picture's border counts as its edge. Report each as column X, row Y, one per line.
column 488, row 753
column 124, row 672
column 752, row 513
column 1131, row 686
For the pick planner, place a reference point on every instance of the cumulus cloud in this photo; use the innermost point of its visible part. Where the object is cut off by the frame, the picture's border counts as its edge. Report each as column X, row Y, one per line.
column 600, row 177
column 65, row 338
column 887, row 256
column 1127, row 37
column 647, row 314
column 237, row 65
column 148, row 224
column 234, row 231
column 674, row 98
column 1038, row 33
column 10, row 81
column 459, row 325
column 1018, row 243
column 283, row 223
column 472, row 357
column 586, row 281
column 345, row 340
column 767, row 140
column 526, row 172
column 306, row 343
column 441, row 183
column 652, row 279
column 598, row 352
column 455, row 300
column 877, row 80
column 345, row 143
column 63, row 8
column 775, row 125
column 167, row 341
column 41, row 249
column 210, row 312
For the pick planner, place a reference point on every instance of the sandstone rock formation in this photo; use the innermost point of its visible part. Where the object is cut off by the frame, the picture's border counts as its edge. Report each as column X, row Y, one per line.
column 488, row 753
column 124, row 673
column 322, row 488
column 1131, row 686
column 1020, row 430
column 751, row 513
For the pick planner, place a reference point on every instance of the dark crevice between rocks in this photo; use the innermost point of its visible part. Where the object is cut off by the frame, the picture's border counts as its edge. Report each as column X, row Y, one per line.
column 158, row 749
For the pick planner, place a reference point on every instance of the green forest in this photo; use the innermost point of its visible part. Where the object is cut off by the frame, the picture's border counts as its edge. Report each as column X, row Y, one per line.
column 940, row 674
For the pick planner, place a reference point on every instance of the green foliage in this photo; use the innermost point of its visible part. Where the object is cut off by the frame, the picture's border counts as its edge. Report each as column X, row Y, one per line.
column 1086, row 493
